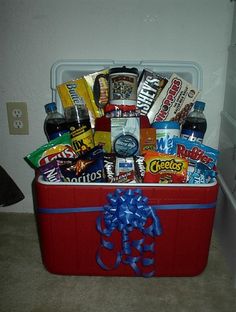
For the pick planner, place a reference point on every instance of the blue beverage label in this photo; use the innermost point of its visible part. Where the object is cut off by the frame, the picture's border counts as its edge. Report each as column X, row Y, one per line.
column 57, row 134
column 191, row 135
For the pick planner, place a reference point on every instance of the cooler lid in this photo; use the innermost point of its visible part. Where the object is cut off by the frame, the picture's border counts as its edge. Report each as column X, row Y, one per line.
column 65, row 70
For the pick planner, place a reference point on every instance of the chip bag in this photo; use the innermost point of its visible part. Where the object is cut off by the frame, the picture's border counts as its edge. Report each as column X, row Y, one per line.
column 57, row 148
column 164, row 168
column 202, row 159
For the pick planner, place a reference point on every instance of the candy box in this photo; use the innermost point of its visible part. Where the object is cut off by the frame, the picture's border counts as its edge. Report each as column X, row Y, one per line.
column 175, row 101
column 125, row 229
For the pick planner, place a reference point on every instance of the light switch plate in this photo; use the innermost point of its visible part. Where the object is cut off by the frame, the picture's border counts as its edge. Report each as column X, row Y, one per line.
column 17, row 118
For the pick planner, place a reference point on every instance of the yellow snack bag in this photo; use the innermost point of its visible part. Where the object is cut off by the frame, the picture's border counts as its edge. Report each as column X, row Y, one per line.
column 103, row 138
column 164, row 168
column 73, row 92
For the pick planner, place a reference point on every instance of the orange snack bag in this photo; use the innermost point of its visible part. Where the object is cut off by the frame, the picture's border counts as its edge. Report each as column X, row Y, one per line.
column 164, row 168
column 147, row 139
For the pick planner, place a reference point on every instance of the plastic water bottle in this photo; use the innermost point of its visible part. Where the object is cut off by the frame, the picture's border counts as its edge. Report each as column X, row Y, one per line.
column 55, row 123
column 195, row 125
column 78, row 122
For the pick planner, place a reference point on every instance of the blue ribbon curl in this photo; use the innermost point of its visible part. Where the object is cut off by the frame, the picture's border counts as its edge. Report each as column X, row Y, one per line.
column 125, row 211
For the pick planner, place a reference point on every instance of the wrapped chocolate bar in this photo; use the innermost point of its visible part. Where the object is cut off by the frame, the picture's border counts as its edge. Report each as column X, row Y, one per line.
column 51, row 172
column 97, row 87
column 149, row 88
column 118, row 170
column 139, row 168
column 125, row 166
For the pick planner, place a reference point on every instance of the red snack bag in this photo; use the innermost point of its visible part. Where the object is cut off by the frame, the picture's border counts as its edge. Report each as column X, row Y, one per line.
column 164, row 168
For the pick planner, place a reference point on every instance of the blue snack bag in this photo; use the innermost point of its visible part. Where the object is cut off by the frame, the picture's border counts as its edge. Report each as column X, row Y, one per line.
column 87, row 168
column 201, row 175
column 202, row 160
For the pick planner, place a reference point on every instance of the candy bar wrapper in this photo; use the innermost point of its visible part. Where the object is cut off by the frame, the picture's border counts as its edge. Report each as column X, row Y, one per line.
column 104, row 91
column 164, row 168
column 125, row 166
column 118, row 170
column 73, row 92
column 149, row 88
column 147, row 139
column 174, row 102
column 51, row 172
column 103, row 138
column 139, row 166
column 110, row 167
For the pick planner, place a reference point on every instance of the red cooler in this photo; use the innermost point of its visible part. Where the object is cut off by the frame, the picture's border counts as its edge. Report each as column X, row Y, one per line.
column 127, row 229
column 74, row 240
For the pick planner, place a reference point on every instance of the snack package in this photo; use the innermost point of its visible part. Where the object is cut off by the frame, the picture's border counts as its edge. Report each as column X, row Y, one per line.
column 74, row 92
column 98, row 93
column 149, row 88
column 139, row 168
column 164, row 168
column 202, row 158
column 125, row 165
column 117, row 170
column 103, row 138
column 51, row 172
column 57, row 148
column 147, row 140
column 174, row 102
column 110, row 167
column 201, row 175
column 87, row 168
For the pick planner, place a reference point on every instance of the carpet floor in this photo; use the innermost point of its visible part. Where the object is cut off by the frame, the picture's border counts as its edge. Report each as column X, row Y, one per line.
column 25, row 285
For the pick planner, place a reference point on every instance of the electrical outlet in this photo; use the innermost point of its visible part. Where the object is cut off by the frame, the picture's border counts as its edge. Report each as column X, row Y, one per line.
column 17, row 118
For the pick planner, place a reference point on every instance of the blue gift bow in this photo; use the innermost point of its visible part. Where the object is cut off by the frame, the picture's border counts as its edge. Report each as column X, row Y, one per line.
column 128, row 210
column 137, row 244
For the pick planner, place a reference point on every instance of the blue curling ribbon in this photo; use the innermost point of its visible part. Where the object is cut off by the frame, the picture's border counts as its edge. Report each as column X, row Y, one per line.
column 125, row 211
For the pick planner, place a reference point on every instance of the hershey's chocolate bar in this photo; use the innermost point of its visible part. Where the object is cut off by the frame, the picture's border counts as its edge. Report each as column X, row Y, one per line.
column 149, row 88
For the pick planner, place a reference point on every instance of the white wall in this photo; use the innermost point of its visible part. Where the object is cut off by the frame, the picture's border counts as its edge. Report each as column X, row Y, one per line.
column 35, row 34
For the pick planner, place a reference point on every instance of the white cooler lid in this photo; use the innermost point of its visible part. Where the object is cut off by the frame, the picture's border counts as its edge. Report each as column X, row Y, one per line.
column 65, row 70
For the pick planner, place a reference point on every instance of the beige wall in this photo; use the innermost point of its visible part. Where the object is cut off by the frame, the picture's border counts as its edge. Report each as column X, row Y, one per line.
column 35, row 34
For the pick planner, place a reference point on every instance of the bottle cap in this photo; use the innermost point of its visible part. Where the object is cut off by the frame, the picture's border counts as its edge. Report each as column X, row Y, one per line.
column 166, row 125
column 199, row 105
column 50, row 107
